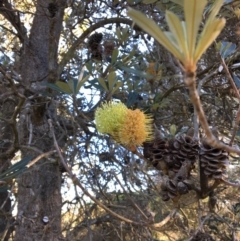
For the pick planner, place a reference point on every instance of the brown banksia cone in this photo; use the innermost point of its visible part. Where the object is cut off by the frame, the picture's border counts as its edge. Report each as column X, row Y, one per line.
column 169, row 190
column 178, row 185
column 94, row 41
column 214, row 161
column 109, row 46
column 95, row 46
column 97, row 54
column 156, row 151
column 181, row 149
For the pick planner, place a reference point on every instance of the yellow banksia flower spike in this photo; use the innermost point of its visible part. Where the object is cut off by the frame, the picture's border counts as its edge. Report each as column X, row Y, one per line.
column 136, row 128
column 109, row 117
column 128, row 127
column 182, row 40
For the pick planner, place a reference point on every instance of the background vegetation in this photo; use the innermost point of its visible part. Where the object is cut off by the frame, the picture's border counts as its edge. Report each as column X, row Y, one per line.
column 59, row 61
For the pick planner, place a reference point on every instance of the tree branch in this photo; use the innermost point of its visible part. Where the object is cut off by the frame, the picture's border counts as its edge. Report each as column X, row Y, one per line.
column 13, row 17
column 235, row 128
column 75, row 45
column 194, row 96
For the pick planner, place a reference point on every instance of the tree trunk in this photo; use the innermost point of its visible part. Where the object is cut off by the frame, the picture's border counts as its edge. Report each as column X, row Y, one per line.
column 39, row 189
column 7, row 106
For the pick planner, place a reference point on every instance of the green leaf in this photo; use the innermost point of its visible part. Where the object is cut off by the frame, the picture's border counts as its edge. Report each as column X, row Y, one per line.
column 111, row 80
column 103, row 83
column 209, row 34
column 226, row 49
column 180, row 2
column 178, row 30
column 60, row 86
column 215, row 9
column 236, row 80
column 81, row 79
column 15, row 169
column 149, row 1
column 173, row 130
column 153, row 29
column 72, row 83
column 125, row 34
column 133, row 98
column 193, row 10
column 89, row 66
column 117, row 86
column 94, row 83
column 118, row 32
column 134, row 71
column 64, row 87
column 114, row 56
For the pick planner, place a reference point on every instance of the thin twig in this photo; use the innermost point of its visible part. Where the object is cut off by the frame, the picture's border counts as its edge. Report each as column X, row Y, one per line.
column 235, row 128
column 134, row 203
column 167, row 219
column 195, row 118
column 191, row 84
column 43, row 155
column 12, row 121
column 200, row 226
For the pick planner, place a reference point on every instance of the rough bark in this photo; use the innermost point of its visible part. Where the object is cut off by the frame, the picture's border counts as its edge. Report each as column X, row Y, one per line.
column 7, row 105
column 39, row 189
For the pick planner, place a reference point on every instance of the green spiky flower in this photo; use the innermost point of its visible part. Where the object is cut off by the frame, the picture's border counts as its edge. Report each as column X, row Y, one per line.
column 110, row 117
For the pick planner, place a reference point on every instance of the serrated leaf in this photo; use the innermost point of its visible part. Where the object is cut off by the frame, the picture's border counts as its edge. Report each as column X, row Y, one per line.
column 103, row 83
column 114, row 56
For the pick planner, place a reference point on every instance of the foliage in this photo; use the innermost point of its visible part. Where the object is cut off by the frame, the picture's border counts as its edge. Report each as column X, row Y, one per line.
column 61, row 62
